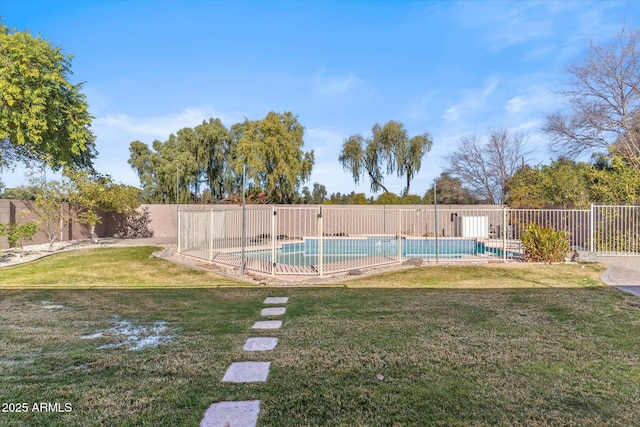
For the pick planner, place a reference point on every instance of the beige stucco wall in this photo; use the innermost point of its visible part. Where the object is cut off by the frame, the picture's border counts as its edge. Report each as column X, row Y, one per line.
column 296, row 219
column 18, row 211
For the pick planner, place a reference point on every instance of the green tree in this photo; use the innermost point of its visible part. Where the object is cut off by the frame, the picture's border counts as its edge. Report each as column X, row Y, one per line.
column 614, row 179
column 209, row 158
column 272, row 149
column 197, row 157
column 526, row 189
column 336, row 199
column 43, row 117
column 563, row 183
column 52, row 208
column 78, row 197
column 208, row 145
column 388, row 151
column 92, row 194
column 352, row 198
column 394, row 199
column 22, row 192
column 160, row 166
column 317, row 196
column 449, row 191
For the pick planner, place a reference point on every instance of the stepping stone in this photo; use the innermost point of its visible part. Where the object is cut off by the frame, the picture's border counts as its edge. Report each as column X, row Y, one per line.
column 237, row 414
column 247, row 372
column 276, row 300
column 260, row 344
column 267, row 324
column 273, row 311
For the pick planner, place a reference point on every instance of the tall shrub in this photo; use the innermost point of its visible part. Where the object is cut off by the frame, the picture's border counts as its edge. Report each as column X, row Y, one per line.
column 544, row 244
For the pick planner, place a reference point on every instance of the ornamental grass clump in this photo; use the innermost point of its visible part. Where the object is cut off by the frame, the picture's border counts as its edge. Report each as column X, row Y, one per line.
column 544, row 244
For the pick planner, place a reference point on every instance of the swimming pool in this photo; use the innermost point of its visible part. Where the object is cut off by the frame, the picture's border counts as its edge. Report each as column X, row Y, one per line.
column 347, row 249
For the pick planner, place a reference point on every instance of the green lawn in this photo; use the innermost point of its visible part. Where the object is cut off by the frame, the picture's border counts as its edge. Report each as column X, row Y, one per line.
column 541, row 345
column 107, row 268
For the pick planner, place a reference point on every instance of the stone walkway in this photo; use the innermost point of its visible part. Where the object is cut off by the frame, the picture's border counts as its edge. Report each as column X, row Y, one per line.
column 623, row 273
column 245, row 413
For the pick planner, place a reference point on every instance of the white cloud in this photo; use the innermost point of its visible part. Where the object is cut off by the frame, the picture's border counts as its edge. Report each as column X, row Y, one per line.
column 473, row 99
column 488, row 90
column 452, row 114
column 514, row 104
column 324, row 141
column 420, row 109
column 159, row 127
column 517, row 32
column 534, row 100
column 506, row 24
column 525, row 127
column 335, row 85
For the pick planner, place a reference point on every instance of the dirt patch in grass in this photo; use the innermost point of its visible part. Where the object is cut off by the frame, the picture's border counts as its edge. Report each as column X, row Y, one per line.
column 124, row 333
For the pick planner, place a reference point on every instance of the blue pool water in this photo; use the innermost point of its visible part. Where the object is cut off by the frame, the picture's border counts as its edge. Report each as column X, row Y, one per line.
column 336, row 250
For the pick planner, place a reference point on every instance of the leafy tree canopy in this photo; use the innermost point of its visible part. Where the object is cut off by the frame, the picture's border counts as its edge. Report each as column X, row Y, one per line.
column 389, row 151
column 450, row 191
column 191, row 158
column 316, row 197
column 272, row 149
column 78, row 196
column 208, row 161
column 352, row 198
column 563, row 183
column 22, row 192
column 43, row 117
column 394, row 199
column 569, row 184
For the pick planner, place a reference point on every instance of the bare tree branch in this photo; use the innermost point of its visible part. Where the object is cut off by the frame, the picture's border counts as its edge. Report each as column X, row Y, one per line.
column 604, row 98
column 484, row 167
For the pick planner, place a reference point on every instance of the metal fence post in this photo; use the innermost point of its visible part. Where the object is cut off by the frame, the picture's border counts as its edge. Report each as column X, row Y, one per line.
column 273, row 240
column 244, row 214
column 211, row 235
column 591, row 231
column 504, row 234
column 399, row 213
column 320, row 241
column 435, row 218
column 178, row 230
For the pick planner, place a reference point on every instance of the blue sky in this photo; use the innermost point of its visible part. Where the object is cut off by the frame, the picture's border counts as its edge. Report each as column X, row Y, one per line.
column 448, row 68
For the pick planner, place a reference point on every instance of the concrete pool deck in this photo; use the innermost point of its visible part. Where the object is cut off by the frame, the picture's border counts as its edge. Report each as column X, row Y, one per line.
column 623, row 272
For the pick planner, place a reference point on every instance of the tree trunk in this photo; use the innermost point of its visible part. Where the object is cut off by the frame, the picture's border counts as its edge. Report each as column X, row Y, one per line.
column 405, row 192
